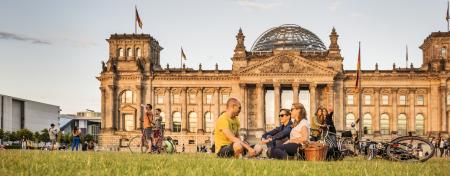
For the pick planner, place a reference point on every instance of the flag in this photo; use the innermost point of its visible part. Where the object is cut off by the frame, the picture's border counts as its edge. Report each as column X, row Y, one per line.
column 358, row 69
column 182, row 54
column 138, row 19
column 407, row 56
column 448, row 16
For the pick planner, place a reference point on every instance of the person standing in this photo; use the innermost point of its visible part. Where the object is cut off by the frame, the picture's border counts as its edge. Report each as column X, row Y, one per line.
column 53, row 134
column 157, row 128
column 148, row 131
column 75, row 138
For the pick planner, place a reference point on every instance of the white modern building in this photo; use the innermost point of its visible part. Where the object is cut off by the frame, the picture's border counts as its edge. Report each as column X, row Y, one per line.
column 89, row 122
column 17, row 113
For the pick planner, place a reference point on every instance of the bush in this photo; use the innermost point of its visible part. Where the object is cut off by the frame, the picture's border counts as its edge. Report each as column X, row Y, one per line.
column 36, row 137
column 2, row 134
column 88, row 138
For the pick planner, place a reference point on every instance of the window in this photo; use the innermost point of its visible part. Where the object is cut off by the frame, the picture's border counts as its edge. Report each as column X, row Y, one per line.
column 384, row 124
column 443, row 52
column 350, row 99
column 163, row 119
column 127, row 96
column 138, row 52
column 448, row 99
column 176, row 122
column 349, row 119
column 367, row 123
column 401, row 123
column 367, row 99
column 192, row 122
column 129, row 52
column 191, row 141
column 225, row 98
column 209, row 125
column 384, row 99
column 176, row 98
column 402, row 100
column 160, row 99
column 208, row 99
column 192, row 98
column 120, row 52
column 129, row 122
column 419, row 124
column 420, row 100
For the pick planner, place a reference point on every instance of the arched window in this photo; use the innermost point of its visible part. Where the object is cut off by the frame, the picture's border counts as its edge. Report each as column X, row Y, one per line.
column 401, row 124
column 176, row 122
column 120, row 52
column 420, row 124
column 209, row 125
column 384, row 124
column 163, row 119
column 138, row 52
column 192, row 122
column 349, row 119
column 129, row 52
column 367, row 123
column 127, row 96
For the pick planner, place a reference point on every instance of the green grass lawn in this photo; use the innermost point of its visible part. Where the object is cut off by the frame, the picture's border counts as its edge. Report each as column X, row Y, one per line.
column 17, row 162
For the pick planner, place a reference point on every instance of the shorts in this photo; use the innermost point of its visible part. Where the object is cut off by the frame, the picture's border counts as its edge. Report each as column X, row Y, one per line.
column 226, row 151
column 148, row 133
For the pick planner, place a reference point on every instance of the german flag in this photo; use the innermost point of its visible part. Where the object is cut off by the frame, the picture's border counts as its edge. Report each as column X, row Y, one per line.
column 138, row 19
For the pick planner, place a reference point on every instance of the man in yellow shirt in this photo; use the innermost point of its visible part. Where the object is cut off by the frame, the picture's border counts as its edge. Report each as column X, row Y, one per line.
column 226, row 132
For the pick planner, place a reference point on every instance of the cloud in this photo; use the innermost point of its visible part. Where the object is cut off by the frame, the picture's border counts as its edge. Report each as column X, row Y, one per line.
column 334, row 5
column 18, row 37
column 258, row 5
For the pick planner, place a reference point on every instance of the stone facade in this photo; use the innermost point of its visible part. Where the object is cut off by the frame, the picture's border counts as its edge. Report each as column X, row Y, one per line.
column 394, row 101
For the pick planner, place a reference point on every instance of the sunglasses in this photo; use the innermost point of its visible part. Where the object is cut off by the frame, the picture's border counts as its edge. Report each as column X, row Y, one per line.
column 282, row 115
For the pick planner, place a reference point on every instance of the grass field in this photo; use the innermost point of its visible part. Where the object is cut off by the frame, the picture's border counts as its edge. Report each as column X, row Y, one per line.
column 17, row 162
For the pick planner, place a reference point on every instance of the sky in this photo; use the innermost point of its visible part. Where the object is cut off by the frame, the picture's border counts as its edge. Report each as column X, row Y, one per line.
column 51, row 50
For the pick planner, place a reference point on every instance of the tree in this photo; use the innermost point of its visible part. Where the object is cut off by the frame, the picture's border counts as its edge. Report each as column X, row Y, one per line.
column 36, row 136
column 44, row 136
column 24, row 133
column 2, row 135
column 13, row 136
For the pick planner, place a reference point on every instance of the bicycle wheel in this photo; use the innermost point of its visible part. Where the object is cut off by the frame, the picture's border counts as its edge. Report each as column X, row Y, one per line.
column 346, row 147
column 410, row 148
column 137, row 142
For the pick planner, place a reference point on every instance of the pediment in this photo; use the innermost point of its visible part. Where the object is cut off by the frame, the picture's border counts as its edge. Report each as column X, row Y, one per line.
column 289, row 64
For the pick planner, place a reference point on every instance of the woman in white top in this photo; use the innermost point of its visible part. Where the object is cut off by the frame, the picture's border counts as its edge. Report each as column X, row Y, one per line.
column 299, row 135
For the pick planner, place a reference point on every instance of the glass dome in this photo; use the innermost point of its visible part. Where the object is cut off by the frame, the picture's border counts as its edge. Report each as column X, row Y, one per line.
column 288, row 37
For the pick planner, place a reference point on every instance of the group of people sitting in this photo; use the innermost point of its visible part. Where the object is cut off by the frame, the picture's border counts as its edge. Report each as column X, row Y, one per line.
column 294, row 132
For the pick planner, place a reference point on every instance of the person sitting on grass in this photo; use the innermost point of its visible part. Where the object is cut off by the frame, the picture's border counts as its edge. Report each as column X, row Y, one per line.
column 277, row 136
column 299, row 135
column 226, row 136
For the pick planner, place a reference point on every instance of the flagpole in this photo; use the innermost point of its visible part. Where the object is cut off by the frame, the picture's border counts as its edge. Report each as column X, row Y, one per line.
column 360, row 96
column 181, row 58
column 135, row 19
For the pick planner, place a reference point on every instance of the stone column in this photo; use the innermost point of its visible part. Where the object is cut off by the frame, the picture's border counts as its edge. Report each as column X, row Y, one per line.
column 443, row 90
column 330, row 95
column 201, row 115
column 111, row 108
column 260, row 126
column 412, row 117
column 435, row 109
column 184, row 116
column 312, row 97
column 139, row 101
column 394, row 118
column 243, row 114
column 295, row 88
column 376, row 119
column 167, row 110
column 277, row 99
column 103, row 105
column 215, row 101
